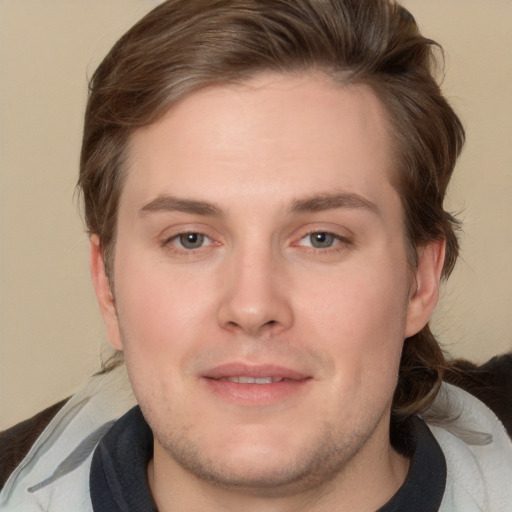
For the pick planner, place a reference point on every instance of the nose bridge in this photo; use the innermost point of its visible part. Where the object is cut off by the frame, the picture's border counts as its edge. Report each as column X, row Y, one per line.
column 255, row 298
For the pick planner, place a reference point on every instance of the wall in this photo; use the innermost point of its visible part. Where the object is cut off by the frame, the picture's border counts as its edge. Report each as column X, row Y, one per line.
column 51, row 335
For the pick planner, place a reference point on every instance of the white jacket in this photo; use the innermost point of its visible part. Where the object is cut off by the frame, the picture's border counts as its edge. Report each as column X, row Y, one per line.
column 54, row 476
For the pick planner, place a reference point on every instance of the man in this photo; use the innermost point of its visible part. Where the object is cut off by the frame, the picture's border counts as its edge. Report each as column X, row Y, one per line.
column 263, row 186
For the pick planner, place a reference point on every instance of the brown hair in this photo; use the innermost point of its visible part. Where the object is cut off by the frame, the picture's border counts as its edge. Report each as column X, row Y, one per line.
column 183, row 45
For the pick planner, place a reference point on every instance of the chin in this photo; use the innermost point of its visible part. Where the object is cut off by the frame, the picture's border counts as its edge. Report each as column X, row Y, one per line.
column 261, row 475
column 275, row 464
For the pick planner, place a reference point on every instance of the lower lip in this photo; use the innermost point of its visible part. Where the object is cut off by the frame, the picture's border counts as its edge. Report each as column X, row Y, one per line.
column 256, row 394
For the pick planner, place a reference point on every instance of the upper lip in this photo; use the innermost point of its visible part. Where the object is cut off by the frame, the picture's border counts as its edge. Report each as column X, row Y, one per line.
column 256, row 371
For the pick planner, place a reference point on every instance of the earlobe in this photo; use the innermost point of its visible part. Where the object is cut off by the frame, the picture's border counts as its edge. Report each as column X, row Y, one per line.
column 103, row 292
column 425, row 287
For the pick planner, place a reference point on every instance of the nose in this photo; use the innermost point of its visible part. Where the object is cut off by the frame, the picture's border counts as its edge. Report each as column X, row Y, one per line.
column 255, row 297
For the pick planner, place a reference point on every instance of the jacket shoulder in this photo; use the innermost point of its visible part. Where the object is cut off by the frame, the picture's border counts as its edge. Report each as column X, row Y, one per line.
column 491, row 383
column 16, row 441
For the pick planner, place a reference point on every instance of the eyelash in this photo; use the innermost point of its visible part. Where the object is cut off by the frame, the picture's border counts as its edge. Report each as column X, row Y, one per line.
column 340, row 242
column 168, row 242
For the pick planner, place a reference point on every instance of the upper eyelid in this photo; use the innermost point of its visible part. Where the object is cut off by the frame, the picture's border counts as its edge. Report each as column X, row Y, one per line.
column 188, row 232
column 170, row 232
column 339, row 238
column 341, row 233
column 166, row 240
column 326, row 231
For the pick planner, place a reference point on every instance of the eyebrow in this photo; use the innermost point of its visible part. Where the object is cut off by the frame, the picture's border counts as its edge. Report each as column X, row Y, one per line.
column 175, row 204
column 323, row 202
column 317, row 203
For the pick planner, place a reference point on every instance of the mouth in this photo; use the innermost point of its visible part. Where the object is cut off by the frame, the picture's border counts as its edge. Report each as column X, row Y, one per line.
column 249, row 385
column 253, row 380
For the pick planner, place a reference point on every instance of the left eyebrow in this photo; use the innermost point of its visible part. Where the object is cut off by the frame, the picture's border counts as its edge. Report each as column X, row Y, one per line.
column 168, row 203
column 323, row 202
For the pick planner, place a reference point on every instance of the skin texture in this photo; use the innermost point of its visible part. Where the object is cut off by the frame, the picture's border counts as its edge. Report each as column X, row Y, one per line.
column 294, row 265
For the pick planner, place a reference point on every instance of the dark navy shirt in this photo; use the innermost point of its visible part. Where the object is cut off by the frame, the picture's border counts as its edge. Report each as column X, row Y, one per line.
column 118, row 478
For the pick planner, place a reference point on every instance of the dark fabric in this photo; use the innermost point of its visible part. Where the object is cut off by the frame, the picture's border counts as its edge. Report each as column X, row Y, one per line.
column 424, row 486
column 491, row 383
column 16, row 441
column 118, row 478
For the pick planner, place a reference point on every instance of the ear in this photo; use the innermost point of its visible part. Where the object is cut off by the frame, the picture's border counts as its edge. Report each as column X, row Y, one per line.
column 103, row 292
column 425, row 286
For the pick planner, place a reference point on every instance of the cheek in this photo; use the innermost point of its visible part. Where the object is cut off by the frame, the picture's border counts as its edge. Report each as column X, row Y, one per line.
column 360, row 317
column 159, row 311
column 159, row 328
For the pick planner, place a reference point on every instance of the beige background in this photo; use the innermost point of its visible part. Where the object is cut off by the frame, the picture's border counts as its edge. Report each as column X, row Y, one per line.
column 51, row 335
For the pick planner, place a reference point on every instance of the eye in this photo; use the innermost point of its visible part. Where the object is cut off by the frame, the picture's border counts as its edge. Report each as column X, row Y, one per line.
column 188, row 241
column 191, row 240
column 320, row 240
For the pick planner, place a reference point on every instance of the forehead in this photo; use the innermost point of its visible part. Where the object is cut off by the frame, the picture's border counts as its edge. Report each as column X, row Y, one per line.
column 273, row 134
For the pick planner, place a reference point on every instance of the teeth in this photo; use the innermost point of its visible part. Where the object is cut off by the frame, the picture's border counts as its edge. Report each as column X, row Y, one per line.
column 265, row 380
column 254, row 380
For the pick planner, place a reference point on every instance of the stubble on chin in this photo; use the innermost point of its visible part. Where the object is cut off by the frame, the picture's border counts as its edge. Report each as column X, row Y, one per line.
column 316, row 466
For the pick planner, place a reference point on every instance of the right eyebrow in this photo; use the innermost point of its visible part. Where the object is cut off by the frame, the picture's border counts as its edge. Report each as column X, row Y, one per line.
column 168, row 203
column 328, row 201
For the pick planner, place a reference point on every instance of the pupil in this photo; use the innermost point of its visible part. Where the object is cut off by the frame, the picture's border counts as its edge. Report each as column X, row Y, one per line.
column 191, row 240
column 322, row 240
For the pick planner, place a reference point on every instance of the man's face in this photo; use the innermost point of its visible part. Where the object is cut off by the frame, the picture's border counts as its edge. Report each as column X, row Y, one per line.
column 261, row 281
